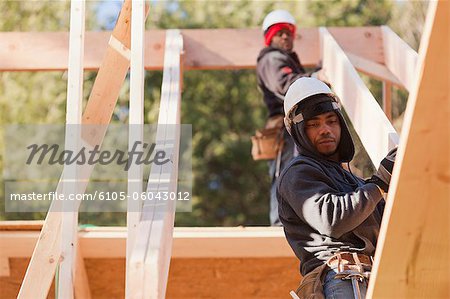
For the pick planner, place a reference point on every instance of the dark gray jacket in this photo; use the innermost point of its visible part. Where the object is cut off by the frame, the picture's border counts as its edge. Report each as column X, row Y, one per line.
column 276, row 69
column 323, row 207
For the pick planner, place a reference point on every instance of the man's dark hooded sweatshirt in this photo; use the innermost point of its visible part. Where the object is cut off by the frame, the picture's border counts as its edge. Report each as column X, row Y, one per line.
column 324, row 208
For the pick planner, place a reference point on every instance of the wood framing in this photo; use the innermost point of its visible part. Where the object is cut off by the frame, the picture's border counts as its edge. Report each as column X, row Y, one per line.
column 188, row 242
column 81, row 281
column 413, row 253
column 204, row 48
column 373, row 128
column 136, row 127
column 399, row 58
column 150, row 259
column 98, row 111
column 69, row 222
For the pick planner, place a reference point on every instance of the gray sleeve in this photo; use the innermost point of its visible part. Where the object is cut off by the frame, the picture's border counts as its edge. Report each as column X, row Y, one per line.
column 274, row 72
column 315, row 200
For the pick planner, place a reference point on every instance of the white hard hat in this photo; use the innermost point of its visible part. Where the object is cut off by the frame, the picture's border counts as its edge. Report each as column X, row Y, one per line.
column 277, row 16
column 301, row 89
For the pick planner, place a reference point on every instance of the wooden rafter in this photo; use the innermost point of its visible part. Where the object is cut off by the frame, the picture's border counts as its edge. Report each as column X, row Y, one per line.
column 373, row 128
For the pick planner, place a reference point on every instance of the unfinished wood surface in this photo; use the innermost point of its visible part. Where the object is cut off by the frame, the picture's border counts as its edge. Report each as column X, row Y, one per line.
column 413, row 253
column 136, row 127
column 150, row 259
column 4, row 266
column 81, row 283
column 69, row 222
column 387, row 99
column 204, row 48
column 373, row 128
column 373, row 69
column 20, row 225
column 399, row 57
column 203, row 278
column 99, row 109
column 208, row 242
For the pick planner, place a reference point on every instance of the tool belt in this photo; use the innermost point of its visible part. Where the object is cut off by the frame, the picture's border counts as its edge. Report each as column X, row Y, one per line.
column 311, row 286
column 267, row 143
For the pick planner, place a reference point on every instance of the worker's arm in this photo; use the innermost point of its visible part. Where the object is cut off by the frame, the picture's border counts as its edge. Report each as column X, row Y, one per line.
column 317, row 201
column 277, row 74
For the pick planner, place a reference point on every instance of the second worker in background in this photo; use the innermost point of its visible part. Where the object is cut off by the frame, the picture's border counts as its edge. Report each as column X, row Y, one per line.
column 277, row 67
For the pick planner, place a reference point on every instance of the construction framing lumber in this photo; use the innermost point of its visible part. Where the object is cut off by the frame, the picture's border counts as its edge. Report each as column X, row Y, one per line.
column 98, row 111
column 150, row 259
column 136, row 124
column 368, row 119
column 399, row 57
column 69, row 222
column 204, row 48
column 188, row 242
column 413, row 253
column 81, row 281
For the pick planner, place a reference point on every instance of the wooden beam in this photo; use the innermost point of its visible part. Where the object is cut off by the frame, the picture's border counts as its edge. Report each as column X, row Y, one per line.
column 399, row 57
column 373, row 69
column 135, row 131
column 413, row 252
column 81, row 281
column 19, row 225
column 98, row 111
column 373, row 128
column 188, row 242
column 150, row 259
column 69, row 222
column 204, row 48
column 387, row 99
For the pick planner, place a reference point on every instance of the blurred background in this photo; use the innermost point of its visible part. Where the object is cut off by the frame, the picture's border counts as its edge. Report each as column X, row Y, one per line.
column 224, row 107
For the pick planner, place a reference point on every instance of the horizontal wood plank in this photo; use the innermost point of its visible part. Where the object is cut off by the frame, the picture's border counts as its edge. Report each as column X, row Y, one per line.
column 203, row 48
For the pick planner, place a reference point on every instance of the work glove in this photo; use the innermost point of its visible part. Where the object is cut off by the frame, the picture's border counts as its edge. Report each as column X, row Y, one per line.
column 382, row 177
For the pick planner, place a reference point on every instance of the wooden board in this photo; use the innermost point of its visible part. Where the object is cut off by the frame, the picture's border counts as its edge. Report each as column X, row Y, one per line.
column 99, row 109
column 189, row 242
column 204, row 48
column 413, row 253
column 399, row 57
column 373, row 128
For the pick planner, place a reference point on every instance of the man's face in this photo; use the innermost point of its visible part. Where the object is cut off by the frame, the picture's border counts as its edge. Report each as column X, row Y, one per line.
column 283, row 39
column 324, row 132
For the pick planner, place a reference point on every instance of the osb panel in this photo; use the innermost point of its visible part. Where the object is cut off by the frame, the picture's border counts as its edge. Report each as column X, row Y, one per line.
column 261, row 278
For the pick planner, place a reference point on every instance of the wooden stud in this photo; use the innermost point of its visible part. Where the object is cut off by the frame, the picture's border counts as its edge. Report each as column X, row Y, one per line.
column 69, row 222
column 413, row 252
column 81, row 281
column 136, row 124
column 150, row 259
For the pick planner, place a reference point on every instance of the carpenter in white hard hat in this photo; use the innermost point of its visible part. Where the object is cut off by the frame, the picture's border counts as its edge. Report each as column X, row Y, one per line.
column 276, row 21
column 306, row 99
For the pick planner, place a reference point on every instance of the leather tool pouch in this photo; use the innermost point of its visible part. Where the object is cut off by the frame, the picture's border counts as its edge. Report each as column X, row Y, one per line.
column 311, row 286
column 267, row 142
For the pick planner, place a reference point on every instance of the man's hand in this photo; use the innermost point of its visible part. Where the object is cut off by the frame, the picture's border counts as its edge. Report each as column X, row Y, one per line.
column 382, row 177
